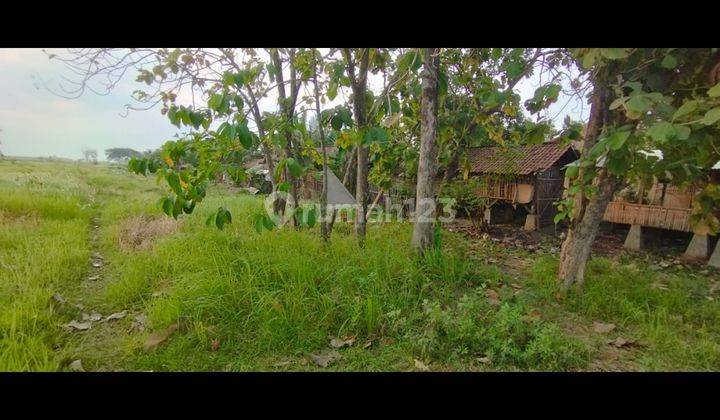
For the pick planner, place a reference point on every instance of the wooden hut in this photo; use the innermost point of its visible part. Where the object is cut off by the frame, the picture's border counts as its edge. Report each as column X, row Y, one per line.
column 531, row 176
column 663, row 206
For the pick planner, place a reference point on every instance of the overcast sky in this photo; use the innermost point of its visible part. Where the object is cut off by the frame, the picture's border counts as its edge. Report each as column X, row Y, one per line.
column 36, row 122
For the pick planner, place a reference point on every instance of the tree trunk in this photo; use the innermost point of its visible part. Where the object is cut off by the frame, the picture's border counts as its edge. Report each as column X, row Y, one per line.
column 425, row 207
column 359, row 87
column 587, row 213
column 324, row 227
column 580, row 237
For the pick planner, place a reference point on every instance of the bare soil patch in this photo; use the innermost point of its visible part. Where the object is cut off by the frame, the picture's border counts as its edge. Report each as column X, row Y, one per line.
column 139, row 232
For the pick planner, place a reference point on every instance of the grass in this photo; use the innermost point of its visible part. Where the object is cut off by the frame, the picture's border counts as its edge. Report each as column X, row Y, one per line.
column 248, row 301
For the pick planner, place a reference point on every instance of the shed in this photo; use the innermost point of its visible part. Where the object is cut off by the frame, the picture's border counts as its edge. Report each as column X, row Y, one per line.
column 530, row 175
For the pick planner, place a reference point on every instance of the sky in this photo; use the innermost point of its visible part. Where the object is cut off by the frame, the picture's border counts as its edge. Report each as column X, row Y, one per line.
column 37, row 122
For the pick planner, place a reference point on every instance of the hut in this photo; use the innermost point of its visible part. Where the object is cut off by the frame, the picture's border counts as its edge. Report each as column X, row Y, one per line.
column 662, row 206
column 531, row 176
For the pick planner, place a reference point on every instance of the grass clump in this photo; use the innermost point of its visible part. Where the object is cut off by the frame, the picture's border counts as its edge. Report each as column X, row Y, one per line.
column 508, row 336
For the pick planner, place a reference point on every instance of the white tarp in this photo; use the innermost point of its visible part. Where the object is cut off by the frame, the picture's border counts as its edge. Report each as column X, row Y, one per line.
column 337, row 193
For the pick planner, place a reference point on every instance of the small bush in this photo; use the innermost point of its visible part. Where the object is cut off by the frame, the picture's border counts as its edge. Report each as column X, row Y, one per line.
column 467, row 201
column 510, row 338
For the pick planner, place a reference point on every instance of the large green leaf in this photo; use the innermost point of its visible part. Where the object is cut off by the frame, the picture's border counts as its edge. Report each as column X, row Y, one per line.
column 686, row 108
column 615, row 53
column 245, row 136
column 711, row 117
column 294, row 167
column 669, row 62
column 714, row 91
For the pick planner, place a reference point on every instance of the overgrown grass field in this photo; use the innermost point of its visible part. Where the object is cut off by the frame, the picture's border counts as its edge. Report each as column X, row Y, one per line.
column 196, row 298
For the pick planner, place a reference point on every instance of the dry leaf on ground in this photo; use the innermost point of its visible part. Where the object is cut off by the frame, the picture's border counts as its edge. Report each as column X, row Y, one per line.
column 325, row 358
column 76, row 366
column 602, row 328
column 156, row 339
column 116, row 315
column 78, row 326
column 493, row 297
column 421, row 366
column 215, row 345
column 339, row 343
column 621, row 342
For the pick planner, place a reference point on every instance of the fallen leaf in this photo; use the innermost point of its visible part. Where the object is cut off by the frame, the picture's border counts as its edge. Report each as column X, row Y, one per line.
column 282, row 363
column 484, row 359
column 57, row 297
column 535, row 313
column 367, row 345
column 94, row 277
column 339, row 343
column 602, row 328
column 324, row 359
column 139, row 322
column 493, row 297
column 516, row 286
column 714, row 287
column 91, row 317
column 156, row 339
column 76, row 366
column 97, row 263
column 659, row 285
column 116, row 315
column 215, row 345
column 78, row 326
column 621, row 342
column 422, row 366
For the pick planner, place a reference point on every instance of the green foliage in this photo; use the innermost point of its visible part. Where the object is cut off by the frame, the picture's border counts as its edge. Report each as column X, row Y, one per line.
column 465, row 195
column 507, row 336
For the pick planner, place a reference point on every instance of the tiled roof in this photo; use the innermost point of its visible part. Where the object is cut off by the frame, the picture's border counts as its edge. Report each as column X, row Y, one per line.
column 520, row 160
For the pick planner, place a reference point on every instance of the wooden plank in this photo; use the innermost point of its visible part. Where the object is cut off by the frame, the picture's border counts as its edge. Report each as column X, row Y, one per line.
column 648, row 215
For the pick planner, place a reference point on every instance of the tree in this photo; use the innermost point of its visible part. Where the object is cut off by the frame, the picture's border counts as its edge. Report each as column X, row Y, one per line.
column 90, row 155
column 119, row 154
column 642, row 100
column 423, row 236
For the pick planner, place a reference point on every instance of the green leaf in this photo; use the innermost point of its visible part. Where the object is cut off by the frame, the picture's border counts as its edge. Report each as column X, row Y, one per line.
column 294, row 167
column 572, row 170
column 283, row 186
column 312, row 216
column 173, row 179
column 258, row 223
column 615, row 53
column 215, row 101
column 167, row 205
column 662, row 132
column 636, row 106
column 669, row 62
column 245, row 136
column 617, row 103
column 336, row 122
column 685, row 109
column 332, row 90
column 714, row 91
column 711, row 117
column 617, row 139
column 211, row 219
column 267, row 222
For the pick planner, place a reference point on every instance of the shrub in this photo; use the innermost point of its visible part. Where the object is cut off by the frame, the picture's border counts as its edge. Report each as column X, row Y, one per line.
column 510, row 338
column 467, row 202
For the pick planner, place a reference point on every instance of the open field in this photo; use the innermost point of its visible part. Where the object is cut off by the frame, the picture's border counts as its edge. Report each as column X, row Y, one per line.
column 89, row 239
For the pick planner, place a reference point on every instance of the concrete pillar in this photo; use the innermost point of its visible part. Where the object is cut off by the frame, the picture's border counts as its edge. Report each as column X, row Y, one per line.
column 698, row 248
column 531, row 222
column 715, row 257
column 487, row 215
column 635, row 239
